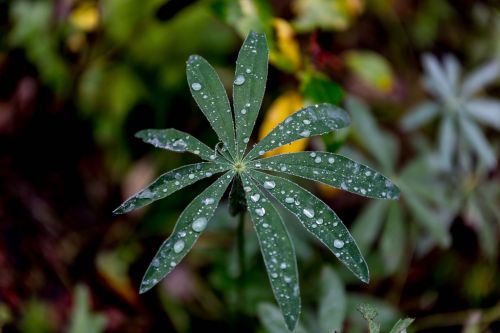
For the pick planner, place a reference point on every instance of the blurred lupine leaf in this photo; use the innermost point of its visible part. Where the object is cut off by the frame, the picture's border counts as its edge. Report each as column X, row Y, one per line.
column 372, row 68
column 332, row 305
column 82, row 318
column 459, row 104
column 228, row 155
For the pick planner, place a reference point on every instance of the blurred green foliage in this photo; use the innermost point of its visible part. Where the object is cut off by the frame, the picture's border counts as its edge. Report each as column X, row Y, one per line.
column 91, row 73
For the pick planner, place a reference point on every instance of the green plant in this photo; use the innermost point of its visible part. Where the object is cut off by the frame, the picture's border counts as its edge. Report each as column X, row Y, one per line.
column 243, row 170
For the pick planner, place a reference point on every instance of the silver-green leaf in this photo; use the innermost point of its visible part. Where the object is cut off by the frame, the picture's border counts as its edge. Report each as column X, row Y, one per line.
column 169, row 183
column 249, row 86
column 334, row 170
column 277, row 250
column 209, row 94
column 188, row 228
column 318, row 219
column 312, row 120
column 178, row 141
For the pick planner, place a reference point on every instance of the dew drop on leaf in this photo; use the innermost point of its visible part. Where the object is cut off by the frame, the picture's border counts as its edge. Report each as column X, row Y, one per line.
column 155, row 262
column 308, row 212
column 305, row 133
column 338, row 243
column 179, row 246
column 199, row 224
column 269, row 184
column 196, row 86
column 240, row 79
column 331, row 160
column 289, row 200
column 208, row 201
column 255, row 197
column 260, row 211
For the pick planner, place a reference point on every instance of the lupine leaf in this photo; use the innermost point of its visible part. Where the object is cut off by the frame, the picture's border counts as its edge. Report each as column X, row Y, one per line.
column 480, row 78
column 169, row 183
column 272, row 320
column 174, row 140
column 402, row 325
column 249, row 86
column 393, row 239
column 318, row 219
column 332, row 305
column 447, row 141
column 485, row 110
column 311, row 120
column 277, row 250
column 188, row 228
column 209, row 94
column 478, row 142
column 366, row 227
column 420, row 115
column 334, row 170
column 436, row 80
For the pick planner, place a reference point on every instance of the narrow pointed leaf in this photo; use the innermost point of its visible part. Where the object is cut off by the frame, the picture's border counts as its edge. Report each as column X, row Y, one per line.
column 447, row 141
column 277, row 251
column 272, row 320
column 318, row 219
column 209, row 94
column 367, row 225
column 436, row 77
column 169, row 183
column 392, row 243
column 311, row 120
column 249, row 86
column 333, row 303
column 485, row 110
column 174, row 140
column 188, row 228
column 401, row 325
column 334, row 170
column 420, row 115
column 480, row 78
column 478, row 142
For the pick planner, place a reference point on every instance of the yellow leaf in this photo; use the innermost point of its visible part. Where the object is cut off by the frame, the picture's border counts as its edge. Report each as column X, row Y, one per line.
column 287, row 54
column 282, row 107
column 85, row 16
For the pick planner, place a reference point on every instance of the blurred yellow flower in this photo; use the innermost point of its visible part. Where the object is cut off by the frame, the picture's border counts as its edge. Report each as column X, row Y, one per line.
column 281, row 108
column 286, row 55
column 85, row 16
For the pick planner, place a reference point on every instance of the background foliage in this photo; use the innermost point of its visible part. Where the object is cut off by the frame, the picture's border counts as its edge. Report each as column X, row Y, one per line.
column 420, row 80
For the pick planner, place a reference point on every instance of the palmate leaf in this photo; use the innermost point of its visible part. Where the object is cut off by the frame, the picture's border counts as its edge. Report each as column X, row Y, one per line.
column 312, row 120
column 169, row 183
column 190, row 224
column 249, row 86
column 174, row 140
column 334, row 170
column 277, row 251
column 209, row 93
column 319, row 219
column 276, row 246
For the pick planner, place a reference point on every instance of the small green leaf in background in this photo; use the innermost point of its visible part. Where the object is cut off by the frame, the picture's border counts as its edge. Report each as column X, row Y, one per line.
column 332, row 305
column 370, row 313
column 392, row 243
column 402, row 325
column 271, row 318
column 318, row 88
column 325, row 14
column 83, row 320
column 373, row 69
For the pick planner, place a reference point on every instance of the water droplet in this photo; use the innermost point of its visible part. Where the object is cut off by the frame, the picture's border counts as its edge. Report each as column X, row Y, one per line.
column 248, row 71
column 269, row 184
column 208, row 174
column 208, row 201
column 306, row 121
column 155, row 262
column 179, row 246
column 319, row 221
column 368, row 173
column 260, row 211
column 287, row 279
column 177, row 183
column 199, row 224
column 255, row 197
column 196, row 86
column 247, row 188
column 283, row 265
column 261, row 152
column 274, row 275
column 243, row 111
column 283, row 168
column 191, row 176
column 245, row 140
column 317, row 160
column 308, row 212
column 240, row 79
column 289, row 200
column 331, row 160
column 146, row 194
column 313, row 154
column 338, row 243
column 305, row 133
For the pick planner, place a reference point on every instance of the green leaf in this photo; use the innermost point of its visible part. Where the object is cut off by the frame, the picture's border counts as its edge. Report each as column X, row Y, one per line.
column 169, row 183
column 334, row 170
column 392, row 243
column 435, row 79
column 318, row 88
column 402, row 325
column 209, row 94
column 192, row 221
column 311, row 120
column 272, row 320
column 370, row 313
column 426, row 217
column 174, row 140
column 485, row 110
column 480, row 78
column 249, row 86
column 447, row 142
column 475, row 137
column 332, row 304
column 366, row 227
column 318, row 219
column 420, row 115
column 277, row 251
column 83, row 320
column 372, row 68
